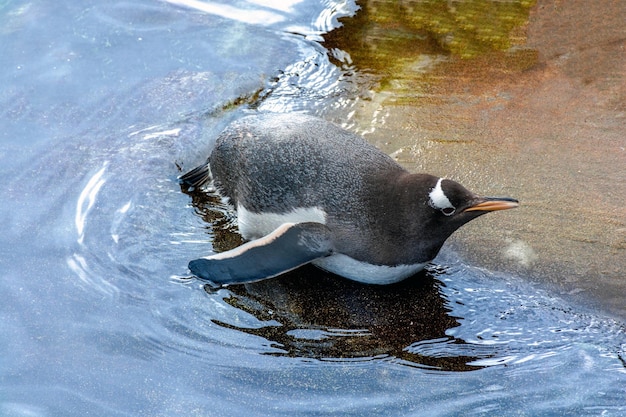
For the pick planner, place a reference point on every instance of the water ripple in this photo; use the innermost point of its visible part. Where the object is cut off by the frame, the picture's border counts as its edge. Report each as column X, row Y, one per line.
column 328, row 19
column 289, row 16
column 245, row 12
column 79, row 266
column 312, row 84
column 87, row 199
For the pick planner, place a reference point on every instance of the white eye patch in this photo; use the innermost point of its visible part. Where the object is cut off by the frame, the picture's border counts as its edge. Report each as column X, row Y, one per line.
column 439, row 200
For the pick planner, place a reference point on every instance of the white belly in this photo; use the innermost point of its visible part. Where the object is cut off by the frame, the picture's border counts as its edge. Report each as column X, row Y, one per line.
column 256, row 225
column 350, row 268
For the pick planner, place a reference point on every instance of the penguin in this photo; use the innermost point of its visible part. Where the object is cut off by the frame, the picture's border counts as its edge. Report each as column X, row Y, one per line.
column 308, row 191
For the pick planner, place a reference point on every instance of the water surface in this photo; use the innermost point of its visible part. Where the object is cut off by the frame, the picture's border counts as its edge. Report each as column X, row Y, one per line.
column 102, row 106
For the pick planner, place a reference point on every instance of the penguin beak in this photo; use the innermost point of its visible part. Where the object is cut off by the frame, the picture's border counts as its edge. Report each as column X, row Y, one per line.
column 493, row 204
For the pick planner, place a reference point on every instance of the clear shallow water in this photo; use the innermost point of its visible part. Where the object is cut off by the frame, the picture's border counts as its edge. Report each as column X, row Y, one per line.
column 100, row 109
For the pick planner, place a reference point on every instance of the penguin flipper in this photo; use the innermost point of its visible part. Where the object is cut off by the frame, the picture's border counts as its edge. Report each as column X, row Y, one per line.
column 197, row 177
column 289, row 246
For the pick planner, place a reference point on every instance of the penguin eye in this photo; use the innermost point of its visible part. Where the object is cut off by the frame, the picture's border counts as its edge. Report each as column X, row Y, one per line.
column 448, row 211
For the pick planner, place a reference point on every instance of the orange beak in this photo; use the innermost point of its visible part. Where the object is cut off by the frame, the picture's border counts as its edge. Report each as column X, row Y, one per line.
column 493, row 204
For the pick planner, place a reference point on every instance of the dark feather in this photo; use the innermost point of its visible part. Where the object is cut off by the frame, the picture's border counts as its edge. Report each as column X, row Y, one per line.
column 197, row 177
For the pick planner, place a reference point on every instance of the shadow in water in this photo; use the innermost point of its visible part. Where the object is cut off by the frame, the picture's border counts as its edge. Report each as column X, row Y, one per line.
column 310, row 313
column 323, row 316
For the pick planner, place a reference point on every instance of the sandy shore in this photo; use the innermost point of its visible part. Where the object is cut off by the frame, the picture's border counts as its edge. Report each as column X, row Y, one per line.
column 545, row 122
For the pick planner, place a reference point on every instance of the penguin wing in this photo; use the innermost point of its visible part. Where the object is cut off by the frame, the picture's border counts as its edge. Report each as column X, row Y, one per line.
column 289, row 246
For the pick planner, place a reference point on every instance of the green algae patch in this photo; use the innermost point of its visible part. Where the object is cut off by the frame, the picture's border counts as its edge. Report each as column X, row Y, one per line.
column 399, row 40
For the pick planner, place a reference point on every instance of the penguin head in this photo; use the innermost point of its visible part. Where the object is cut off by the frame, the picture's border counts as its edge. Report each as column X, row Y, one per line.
column 450, row 200
column 443, row 206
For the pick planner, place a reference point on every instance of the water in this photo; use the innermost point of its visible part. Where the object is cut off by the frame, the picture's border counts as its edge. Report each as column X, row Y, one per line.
column 102, row 106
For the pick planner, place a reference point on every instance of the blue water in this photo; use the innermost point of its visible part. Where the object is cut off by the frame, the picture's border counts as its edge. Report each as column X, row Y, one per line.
column 102, row 104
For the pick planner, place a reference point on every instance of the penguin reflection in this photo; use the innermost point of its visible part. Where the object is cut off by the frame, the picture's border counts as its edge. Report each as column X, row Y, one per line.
column 326, row 317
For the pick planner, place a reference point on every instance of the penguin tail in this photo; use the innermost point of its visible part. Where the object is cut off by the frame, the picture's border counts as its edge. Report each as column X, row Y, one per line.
column 197, row 177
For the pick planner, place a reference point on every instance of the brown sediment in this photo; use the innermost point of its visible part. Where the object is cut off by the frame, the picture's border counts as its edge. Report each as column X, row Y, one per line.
column 543, row 121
